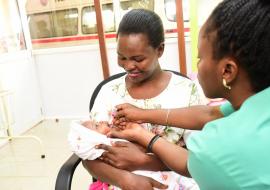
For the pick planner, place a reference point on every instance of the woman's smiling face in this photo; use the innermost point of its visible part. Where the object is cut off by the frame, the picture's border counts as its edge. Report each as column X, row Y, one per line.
column 137, row 56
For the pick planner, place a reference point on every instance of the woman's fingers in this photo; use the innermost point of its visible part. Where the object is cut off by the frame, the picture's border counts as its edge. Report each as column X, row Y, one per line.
column 107, row 160
column 102, row 146
column 107, row 148
column 108, row 155
column 120, row 144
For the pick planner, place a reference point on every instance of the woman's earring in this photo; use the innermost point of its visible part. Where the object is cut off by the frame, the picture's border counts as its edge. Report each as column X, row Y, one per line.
column 225, row 84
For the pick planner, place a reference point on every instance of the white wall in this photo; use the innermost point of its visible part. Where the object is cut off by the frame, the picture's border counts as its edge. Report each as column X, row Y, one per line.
column 67, row 78
column 18, row 74
column 205, row 8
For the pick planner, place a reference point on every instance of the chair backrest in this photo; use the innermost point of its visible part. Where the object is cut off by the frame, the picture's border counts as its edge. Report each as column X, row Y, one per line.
column 99, row 86
column 97, row 89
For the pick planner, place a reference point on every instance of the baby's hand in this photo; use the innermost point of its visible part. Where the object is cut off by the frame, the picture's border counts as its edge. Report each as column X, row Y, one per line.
column 103, row 127
column 119, row 123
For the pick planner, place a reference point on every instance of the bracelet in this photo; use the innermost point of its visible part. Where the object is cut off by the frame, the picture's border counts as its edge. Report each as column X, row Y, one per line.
column 152, row 141
column 167, row 116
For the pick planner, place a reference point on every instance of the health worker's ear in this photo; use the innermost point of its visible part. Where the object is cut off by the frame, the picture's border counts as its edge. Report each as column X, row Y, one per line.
column 229, row 69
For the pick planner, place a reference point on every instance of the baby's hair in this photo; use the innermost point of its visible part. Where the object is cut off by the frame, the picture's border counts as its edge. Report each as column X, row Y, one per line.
column 143, row 21
column 240, row 30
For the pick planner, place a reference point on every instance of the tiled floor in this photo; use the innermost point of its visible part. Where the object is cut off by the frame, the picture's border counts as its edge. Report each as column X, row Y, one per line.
column 21, row 166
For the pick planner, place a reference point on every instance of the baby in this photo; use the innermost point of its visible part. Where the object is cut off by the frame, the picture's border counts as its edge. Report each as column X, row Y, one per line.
column 84, row 136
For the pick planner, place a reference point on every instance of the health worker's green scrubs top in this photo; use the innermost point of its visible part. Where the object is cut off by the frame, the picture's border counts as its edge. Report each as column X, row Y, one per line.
column 233, row 153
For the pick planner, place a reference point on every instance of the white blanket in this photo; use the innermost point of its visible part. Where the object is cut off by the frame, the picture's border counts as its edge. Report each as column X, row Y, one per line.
column 82, row 142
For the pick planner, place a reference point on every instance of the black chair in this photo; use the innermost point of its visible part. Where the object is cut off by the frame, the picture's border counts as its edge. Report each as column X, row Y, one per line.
column 65, row 174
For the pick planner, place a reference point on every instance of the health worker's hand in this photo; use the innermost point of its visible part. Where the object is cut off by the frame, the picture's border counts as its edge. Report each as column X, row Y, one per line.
column 127, row 113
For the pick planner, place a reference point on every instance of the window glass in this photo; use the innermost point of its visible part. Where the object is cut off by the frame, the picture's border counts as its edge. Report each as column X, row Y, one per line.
column 11, row 33
column 89, row 19
column 41, row 25
column 54, row 24
column 65, row 22
column 136, row 4
column 108, row 17
column 170, row 10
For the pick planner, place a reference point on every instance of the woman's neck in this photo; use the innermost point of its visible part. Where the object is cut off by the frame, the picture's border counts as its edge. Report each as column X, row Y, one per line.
column 151, row 87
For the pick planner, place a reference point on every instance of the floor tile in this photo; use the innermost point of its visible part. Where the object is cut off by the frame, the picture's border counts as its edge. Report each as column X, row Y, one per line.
column 21, row 165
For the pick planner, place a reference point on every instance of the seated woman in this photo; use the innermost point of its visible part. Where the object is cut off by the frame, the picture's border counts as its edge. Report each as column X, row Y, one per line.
column 140, row 44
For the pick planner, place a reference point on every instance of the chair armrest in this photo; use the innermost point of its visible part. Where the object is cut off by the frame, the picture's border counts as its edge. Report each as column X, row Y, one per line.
column 65, row 174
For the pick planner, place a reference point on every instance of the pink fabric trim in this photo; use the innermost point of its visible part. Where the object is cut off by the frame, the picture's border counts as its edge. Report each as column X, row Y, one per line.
column 99, row 185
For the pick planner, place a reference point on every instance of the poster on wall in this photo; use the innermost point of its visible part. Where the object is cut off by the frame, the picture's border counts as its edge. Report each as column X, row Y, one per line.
column 11, row 32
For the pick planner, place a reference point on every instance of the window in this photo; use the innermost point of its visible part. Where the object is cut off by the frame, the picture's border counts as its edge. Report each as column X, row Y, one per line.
column 136, row 4
column 41, row 25
column 65, row 22
column 89, row 19
column 11, row 33
column 170, row 10
column 54, row 24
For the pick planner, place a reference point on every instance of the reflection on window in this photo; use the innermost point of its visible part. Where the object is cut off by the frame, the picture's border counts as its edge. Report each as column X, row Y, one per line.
column 170, row 10
column 54, row 24
column 66, row 22
column 11, row 34
column 108, row 17
column 41, row 25
column 89, row 19
column 136, row 4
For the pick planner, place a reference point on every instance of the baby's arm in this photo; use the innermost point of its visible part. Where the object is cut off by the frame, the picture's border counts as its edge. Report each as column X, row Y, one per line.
column 89, row 124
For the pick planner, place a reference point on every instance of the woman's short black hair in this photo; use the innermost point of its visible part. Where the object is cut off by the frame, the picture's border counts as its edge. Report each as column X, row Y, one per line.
column 143, row 21
column 242, row 30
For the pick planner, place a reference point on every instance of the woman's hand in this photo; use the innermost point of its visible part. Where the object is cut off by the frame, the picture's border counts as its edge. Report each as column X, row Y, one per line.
column 123, row 155
column 127, row 113
column 135, row 182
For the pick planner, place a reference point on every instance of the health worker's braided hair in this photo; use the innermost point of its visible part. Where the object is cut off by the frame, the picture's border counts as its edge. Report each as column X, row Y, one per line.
column 241, row 30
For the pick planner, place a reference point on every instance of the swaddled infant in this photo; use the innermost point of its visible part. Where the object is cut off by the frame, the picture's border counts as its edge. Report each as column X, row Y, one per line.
column 85, row 135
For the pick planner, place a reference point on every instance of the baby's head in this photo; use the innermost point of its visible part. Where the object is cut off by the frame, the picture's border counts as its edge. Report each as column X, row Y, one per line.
column 100, row 127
